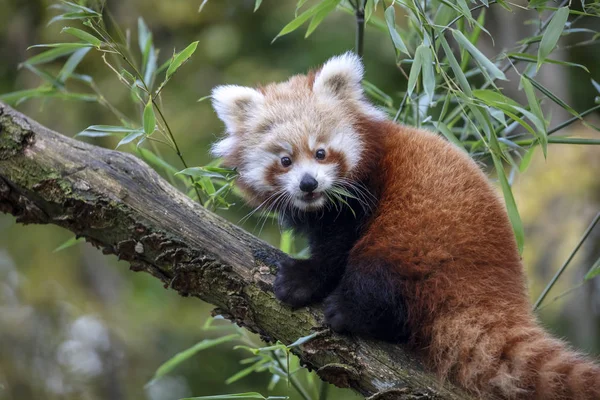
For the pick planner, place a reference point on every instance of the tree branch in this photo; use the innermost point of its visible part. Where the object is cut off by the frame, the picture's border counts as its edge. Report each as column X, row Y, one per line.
column 123, row 207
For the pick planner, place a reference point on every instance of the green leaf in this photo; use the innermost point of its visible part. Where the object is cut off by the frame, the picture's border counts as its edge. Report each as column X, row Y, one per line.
column 180, row 58
column 257, row 5
column 286, row 241
column 69, row 243
column 552, row 34
column 144, row 36
column 72, row 63
column 428, row 77
column 494, row 98
column 149, row 118
column 130, row 138
column 109, row 128
column 22, row 95
column 60, row 51
column 79, row 8
column 247, row 395
column 45, row 76
column 551, row 96
column 442, row 127
column 534, row 106
column 157, row 162
column 377, row 93
column 596, row 85
column 186, row 354
column 245, row 372
column 320, row 16
column 302, row 340
column 458, row 72
column 511, row 205
column 202, row 172
column 390, row 19
column 533, row 59
column 300, row 19
column 415, row 69
column 594, row 271
column 83, row 35
column 481, row 59
column 527, row 159
column 72, row 16
column 53, row 45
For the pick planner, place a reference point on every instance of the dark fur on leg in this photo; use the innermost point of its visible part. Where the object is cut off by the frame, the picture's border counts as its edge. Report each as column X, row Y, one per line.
column 303, row 282
column 367, row 303
column 331, row 235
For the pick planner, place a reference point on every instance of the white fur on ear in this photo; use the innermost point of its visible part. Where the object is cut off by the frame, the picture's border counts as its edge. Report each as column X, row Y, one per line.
column 235, row 104
column 340, row 76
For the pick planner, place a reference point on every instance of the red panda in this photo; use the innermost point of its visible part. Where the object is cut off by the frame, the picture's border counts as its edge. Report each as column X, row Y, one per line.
column 409, row 241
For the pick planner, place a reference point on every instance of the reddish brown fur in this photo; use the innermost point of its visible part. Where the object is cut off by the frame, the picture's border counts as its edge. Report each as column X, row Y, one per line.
column 445, row 232
column 443, row 226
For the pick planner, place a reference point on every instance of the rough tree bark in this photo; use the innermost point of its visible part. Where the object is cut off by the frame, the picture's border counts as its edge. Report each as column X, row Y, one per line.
column 123, row 207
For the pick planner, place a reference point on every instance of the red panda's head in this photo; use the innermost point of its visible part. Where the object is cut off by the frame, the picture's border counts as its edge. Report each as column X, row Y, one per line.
column 294, row 141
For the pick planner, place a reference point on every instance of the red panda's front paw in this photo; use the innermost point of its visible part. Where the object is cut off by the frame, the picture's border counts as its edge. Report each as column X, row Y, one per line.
column 295, row 284
column 336, row 317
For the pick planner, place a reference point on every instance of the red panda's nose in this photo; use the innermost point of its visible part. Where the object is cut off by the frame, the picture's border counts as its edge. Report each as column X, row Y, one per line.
column 308, row 183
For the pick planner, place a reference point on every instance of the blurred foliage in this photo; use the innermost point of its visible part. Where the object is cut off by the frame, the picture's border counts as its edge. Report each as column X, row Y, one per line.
column 129, row 74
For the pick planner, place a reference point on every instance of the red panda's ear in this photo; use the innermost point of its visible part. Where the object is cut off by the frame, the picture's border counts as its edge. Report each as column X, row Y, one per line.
column 235, row 105
column 340, row 77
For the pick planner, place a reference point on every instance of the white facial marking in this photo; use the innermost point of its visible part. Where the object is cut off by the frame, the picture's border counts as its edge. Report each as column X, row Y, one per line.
column 348, row 142
column 255, row 175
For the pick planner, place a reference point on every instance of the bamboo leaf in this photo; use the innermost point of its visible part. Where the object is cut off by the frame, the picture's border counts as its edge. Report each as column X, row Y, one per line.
column 303, row 340
column 186, row 354
column 247, row 395
column 149, row 118
column 527, row 159
column 72, row 16
column 390, row 19
column 534, row 105
column 481, row 59
column 245, row 372
column 415, row 69
column 72, row 63
column 130, row 138
column 594, row 271
column 458, row 72
column 376, row 93
column 181, row 58
column 428, row 77
column 552, row 34
column 79, row 8
column 551, row 95
column 320, row 16
column 533, row 59
column 511, row 205
column 83, row 35
column 442, row 127
column 61, row 50
column 69, row 243
column 300, row 20
column 257, row 5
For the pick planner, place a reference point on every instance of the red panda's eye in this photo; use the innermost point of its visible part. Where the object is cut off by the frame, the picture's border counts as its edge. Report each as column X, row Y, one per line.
column 320, row 154
column 286, row 161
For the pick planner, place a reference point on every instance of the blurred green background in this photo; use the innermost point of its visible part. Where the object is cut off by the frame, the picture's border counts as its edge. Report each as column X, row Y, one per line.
column 76, row 324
